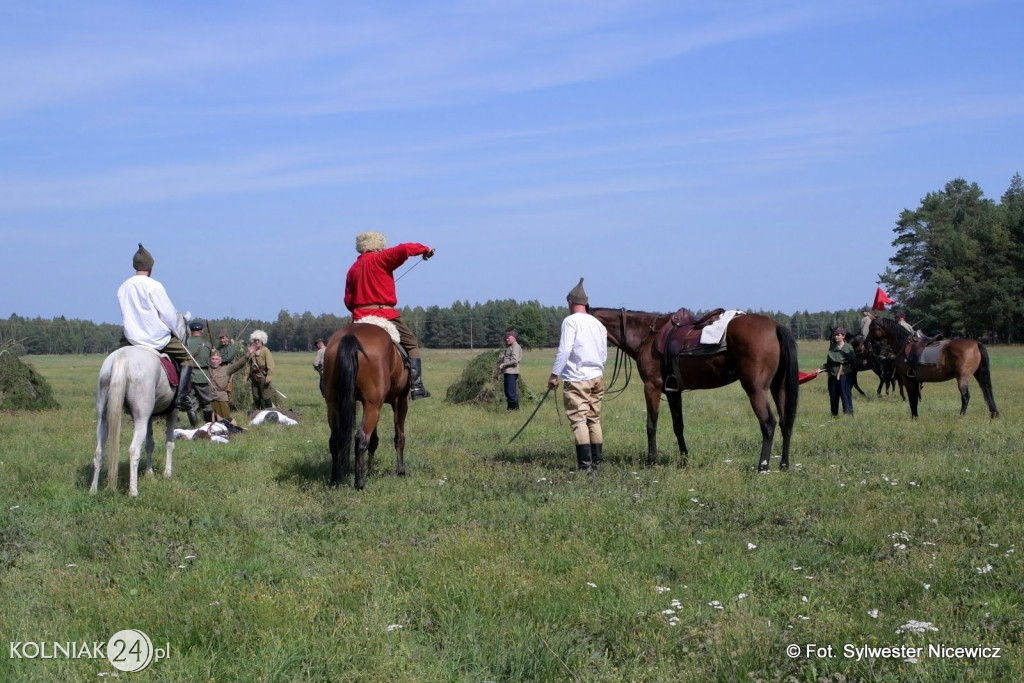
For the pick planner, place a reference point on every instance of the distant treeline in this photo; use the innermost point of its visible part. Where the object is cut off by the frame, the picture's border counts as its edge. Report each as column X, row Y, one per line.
column 459, row 326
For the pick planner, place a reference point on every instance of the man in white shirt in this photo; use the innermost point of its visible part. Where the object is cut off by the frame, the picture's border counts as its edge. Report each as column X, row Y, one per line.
column 579, row 362
column 151, row 320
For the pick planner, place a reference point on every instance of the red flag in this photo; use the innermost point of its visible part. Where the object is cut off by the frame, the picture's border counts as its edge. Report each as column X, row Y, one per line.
column 881, row 299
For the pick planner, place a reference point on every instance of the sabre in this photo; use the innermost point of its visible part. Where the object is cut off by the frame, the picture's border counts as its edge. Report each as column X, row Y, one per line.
column 542, row 398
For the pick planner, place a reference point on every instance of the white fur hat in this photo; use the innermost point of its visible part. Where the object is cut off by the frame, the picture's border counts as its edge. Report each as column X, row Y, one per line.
column 370, row 241
column 258, row 334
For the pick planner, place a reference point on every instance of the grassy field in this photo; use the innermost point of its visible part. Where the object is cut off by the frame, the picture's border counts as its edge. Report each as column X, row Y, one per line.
column 491, row 562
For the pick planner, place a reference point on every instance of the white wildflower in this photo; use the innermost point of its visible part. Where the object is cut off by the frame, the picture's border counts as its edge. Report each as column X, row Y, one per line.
column 662, row 589
column 751, row 546
column 926, row 585
column 914, row 626
column 394, row 627
column 716, row 604
column 984, row 570
column 592, row 585
column 668, row 611
column 873, row 613
column 741, row 596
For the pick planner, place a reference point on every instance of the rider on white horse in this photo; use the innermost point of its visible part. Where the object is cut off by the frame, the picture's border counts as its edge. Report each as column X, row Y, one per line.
column 151, row 320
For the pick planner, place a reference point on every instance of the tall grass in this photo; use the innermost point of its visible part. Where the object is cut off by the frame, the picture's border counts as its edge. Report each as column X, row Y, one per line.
column 492, row 561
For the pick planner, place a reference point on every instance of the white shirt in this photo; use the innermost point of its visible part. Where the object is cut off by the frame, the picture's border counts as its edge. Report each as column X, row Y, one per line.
column 582, row 349
column 149, row 316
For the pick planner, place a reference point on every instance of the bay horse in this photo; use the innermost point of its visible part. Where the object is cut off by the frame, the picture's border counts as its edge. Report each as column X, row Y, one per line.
column 759, row 352
column 132, row 378
column 958, row 358
column 363, row 365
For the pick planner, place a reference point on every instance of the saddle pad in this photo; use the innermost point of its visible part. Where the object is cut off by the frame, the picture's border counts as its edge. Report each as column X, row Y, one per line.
column 932, row 353
column 382, row 323
column 713, row 333
column 170, row 370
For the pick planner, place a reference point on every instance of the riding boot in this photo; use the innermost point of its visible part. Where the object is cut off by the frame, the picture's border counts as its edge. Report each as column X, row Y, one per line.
column 595, row 456
column 181, row 401
column 193, row 419
column 416, row 379
column 207, row 414
column 584, row 457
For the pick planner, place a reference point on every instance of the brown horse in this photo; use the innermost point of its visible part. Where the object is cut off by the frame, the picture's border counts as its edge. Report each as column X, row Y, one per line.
column 362, row 364
column 760, row 353
column 959, row 358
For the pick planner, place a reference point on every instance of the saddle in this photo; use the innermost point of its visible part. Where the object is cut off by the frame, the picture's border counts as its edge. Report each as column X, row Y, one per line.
column 924, row 350
column 681, row 334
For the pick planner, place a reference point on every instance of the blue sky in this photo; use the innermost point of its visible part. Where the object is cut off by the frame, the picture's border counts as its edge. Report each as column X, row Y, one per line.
column 741, row 154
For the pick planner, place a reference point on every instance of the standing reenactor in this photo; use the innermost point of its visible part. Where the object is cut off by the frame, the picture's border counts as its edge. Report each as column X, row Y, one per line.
column 200, row 350
column 261, row 367
column 226, row 348
column 579, row 363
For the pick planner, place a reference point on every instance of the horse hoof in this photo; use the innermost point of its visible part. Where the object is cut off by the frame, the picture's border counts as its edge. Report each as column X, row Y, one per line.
column 401, row 471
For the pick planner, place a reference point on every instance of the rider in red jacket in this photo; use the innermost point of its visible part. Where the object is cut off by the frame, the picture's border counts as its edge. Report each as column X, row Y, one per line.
column 370, row 290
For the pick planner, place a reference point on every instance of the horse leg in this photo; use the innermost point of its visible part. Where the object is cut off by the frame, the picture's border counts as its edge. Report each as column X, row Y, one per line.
column 965, row 394
column 675, row 409
column 371, row 413
column 759, row 403
column 400, row 410
column 97, row 458
column 913, row 396
column 135, row 454
column 169, row 444
column 150, row 444
column 371, row 451
column 652, row 396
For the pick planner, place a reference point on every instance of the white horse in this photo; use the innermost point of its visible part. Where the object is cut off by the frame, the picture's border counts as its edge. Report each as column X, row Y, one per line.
column 133, row 379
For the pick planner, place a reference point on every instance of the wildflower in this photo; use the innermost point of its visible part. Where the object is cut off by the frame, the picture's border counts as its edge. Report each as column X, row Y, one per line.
column 751, row 546
column 914, row 626
column 662, row 589
column 592, row 585
column 716, row 604
column 394, row 627
column 873, row 613
column 984, row 570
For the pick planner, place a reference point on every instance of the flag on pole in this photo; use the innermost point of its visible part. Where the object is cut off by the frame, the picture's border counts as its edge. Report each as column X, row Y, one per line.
column 881, row 299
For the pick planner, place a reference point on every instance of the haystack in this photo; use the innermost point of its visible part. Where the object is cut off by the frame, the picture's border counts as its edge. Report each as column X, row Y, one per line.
column 481, row 384
column 21, row 387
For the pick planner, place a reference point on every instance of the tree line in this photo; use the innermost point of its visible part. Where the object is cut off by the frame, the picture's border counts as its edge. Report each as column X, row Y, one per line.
column 958, row 269
column 460, row 326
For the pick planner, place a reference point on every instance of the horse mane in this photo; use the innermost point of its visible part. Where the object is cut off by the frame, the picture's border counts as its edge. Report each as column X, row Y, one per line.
column 894, row 329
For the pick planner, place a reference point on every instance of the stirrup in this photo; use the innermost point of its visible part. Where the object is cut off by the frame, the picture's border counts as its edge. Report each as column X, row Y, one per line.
column 670, row 385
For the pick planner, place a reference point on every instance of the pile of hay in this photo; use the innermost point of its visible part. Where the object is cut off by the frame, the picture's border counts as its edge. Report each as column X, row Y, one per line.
column 21, row 387
column 481, row 384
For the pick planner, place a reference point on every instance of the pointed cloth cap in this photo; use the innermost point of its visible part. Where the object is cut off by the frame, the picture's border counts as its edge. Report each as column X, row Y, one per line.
column 577, row 295
column 142, row 260
column 370, row 241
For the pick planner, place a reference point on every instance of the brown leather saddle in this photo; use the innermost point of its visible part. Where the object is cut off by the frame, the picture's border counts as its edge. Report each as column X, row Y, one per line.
column 924, row 350
column 681, row 334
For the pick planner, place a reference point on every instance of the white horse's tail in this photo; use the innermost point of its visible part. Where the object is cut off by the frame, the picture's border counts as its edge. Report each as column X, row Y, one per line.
column 113, row 408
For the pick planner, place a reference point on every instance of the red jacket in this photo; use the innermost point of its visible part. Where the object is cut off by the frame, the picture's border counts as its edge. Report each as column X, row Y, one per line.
column 371, row 281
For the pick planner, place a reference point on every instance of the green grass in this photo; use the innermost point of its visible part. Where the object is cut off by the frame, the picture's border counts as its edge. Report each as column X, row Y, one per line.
column 494, row 562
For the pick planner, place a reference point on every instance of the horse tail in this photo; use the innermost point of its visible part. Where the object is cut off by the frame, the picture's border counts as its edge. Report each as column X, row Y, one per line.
column 787, row 378
column 113, row 409
column 345, row 397
column 984, row 376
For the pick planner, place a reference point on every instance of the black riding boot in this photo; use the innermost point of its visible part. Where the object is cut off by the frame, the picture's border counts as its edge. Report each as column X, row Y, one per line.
column 416, row 378
column 181, row 397
column 193, row 419
column 208, row 414
column 584, row 457
column 595, row 455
